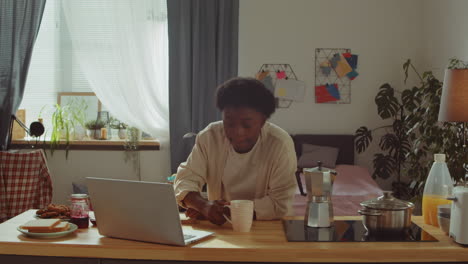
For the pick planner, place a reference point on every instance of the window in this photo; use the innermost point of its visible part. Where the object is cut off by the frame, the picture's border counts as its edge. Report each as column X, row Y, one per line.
column 45, row 70
column 54, row 68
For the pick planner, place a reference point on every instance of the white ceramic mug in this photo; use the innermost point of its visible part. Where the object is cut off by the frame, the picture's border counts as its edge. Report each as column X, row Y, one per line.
column 241, row 215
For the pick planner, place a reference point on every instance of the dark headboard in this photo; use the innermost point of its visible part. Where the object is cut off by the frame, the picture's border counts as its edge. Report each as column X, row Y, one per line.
column 344, row 142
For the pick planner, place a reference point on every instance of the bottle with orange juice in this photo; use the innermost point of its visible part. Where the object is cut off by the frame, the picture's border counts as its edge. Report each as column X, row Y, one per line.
column 438, row 186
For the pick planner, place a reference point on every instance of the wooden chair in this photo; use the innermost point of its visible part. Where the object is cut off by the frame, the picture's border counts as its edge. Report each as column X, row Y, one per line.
column 345, row 144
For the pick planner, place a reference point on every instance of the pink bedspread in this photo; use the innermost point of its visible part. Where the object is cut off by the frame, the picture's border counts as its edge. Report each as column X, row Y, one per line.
column 352, row 185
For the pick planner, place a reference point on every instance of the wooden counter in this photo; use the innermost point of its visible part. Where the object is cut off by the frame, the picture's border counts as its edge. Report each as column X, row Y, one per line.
column 266, row 243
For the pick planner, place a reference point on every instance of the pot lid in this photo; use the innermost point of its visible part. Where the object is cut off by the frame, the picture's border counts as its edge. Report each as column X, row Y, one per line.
column 387, row 202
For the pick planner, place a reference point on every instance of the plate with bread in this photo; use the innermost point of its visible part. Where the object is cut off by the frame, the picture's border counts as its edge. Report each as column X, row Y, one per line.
column 47, row 228
column 54, row 211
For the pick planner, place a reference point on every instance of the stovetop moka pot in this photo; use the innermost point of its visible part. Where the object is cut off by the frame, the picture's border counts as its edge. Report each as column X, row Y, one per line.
column 319, row 211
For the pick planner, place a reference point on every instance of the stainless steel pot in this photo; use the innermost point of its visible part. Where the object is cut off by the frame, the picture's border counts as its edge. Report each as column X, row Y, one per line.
column 386, row 214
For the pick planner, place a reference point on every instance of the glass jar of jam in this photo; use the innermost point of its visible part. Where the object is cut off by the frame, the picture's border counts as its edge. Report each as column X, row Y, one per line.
column 79, row 210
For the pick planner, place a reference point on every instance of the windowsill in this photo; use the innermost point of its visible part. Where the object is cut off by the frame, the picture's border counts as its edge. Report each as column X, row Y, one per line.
column 88, row 144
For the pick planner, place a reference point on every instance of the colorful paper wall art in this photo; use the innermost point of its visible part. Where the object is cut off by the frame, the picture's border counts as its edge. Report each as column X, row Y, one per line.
column 325, row 67
column 335, row 68
column 280, row 75
column 281, row 80
column 261, row 75
column 332, row 89
column 327, row 93
column 268, row 82
column 352, row 61
column 290, row 89
column 344, row 65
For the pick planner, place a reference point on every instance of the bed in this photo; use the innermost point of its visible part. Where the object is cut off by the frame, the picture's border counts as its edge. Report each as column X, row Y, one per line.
column 353, row 184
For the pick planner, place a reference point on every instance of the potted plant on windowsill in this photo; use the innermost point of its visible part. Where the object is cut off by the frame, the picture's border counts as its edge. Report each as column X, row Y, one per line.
column 122, row 130
column 94, row 128
column 61, row 127
column 67, row 123
column 114, row 125
column 78, row 109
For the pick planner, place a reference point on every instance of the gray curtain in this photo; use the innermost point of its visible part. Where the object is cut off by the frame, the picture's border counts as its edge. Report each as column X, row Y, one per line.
column 19, row 24
column 203, row 48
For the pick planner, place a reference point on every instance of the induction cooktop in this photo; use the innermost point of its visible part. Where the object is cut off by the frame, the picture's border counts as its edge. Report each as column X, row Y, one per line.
column 350, row 231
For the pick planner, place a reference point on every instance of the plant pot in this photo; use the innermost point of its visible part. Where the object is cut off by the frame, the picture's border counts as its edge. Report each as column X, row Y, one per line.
column 63, row 134
column 97, row 133
column 114, row 133
column 89, row 133
column 134, row 134
column 79, row 133
column 122, row 133
column 93, row 133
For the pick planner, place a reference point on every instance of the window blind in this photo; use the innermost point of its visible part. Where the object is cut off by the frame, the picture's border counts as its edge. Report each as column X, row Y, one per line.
column 44, row 73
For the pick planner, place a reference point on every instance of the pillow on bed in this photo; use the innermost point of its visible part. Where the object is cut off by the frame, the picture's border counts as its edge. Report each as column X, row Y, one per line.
column 313, row 153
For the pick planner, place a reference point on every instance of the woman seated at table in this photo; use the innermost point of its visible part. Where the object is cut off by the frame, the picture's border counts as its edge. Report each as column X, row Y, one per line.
column 242, row 157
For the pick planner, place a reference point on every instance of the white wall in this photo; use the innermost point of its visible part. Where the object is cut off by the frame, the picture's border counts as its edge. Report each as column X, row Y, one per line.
column 383, row 33
column 445, row 33
column 154, row 166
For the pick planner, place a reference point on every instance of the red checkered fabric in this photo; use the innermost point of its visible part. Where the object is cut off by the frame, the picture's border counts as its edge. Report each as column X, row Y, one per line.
column 24, row 182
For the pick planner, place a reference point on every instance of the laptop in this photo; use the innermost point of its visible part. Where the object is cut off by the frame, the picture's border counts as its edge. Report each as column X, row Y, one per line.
column 136, row 210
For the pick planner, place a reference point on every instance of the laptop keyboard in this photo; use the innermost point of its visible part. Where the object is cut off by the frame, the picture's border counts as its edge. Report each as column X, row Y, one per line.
column 186, row 237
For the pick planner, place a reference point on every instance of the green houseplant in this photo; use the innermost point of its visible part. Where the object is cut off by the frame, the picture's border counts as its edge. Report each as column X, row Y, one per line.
column 395, row 143
column 131, row 146
column 67, row 122
column 431, row 136
column 119, row 128
column 62, row 125
column 78, row 109
column 414, row 135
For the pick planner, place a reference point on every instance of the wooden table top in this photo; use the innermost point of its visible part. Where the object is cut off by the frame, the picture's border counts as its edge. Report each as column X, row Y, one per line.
column 266, row 243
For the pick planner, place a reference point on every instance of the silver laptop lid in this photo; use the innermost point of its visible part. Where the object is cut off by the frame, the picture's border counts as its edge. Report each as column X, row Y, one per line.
column 145, row 211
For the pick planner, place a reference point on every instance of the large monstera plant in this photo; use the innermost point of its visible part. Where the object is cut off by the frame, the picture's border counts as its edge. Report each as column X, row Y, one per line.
column 413, row 136
column 430, row 136
column 395, row 144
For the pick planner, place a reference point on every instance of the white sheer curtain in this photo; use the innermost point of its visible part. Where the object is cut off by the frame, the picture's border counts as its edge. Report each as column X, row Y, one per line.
column 121, row 47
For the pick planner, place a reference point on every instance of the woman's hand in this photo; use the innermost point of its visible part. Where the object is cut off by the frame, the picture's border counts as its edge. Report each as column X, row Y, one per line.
column 194, row 214
column 213, row 211
column 210, row 210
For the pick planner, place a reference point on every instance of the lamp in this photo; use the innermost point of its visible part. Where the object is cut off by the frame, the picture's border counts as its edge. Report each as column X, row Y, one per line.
column 454, row 100
column 36, row 129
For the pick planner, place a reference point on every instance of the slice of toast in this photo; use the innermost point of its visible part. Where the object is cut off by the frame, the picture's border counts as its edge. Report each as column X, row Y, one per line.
column 41, row 225
column 63, row 226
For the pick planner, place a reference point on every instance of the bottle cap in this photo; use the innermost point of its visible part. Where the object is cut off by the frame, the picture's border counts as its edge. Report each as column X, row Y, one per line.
column 439, row 157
